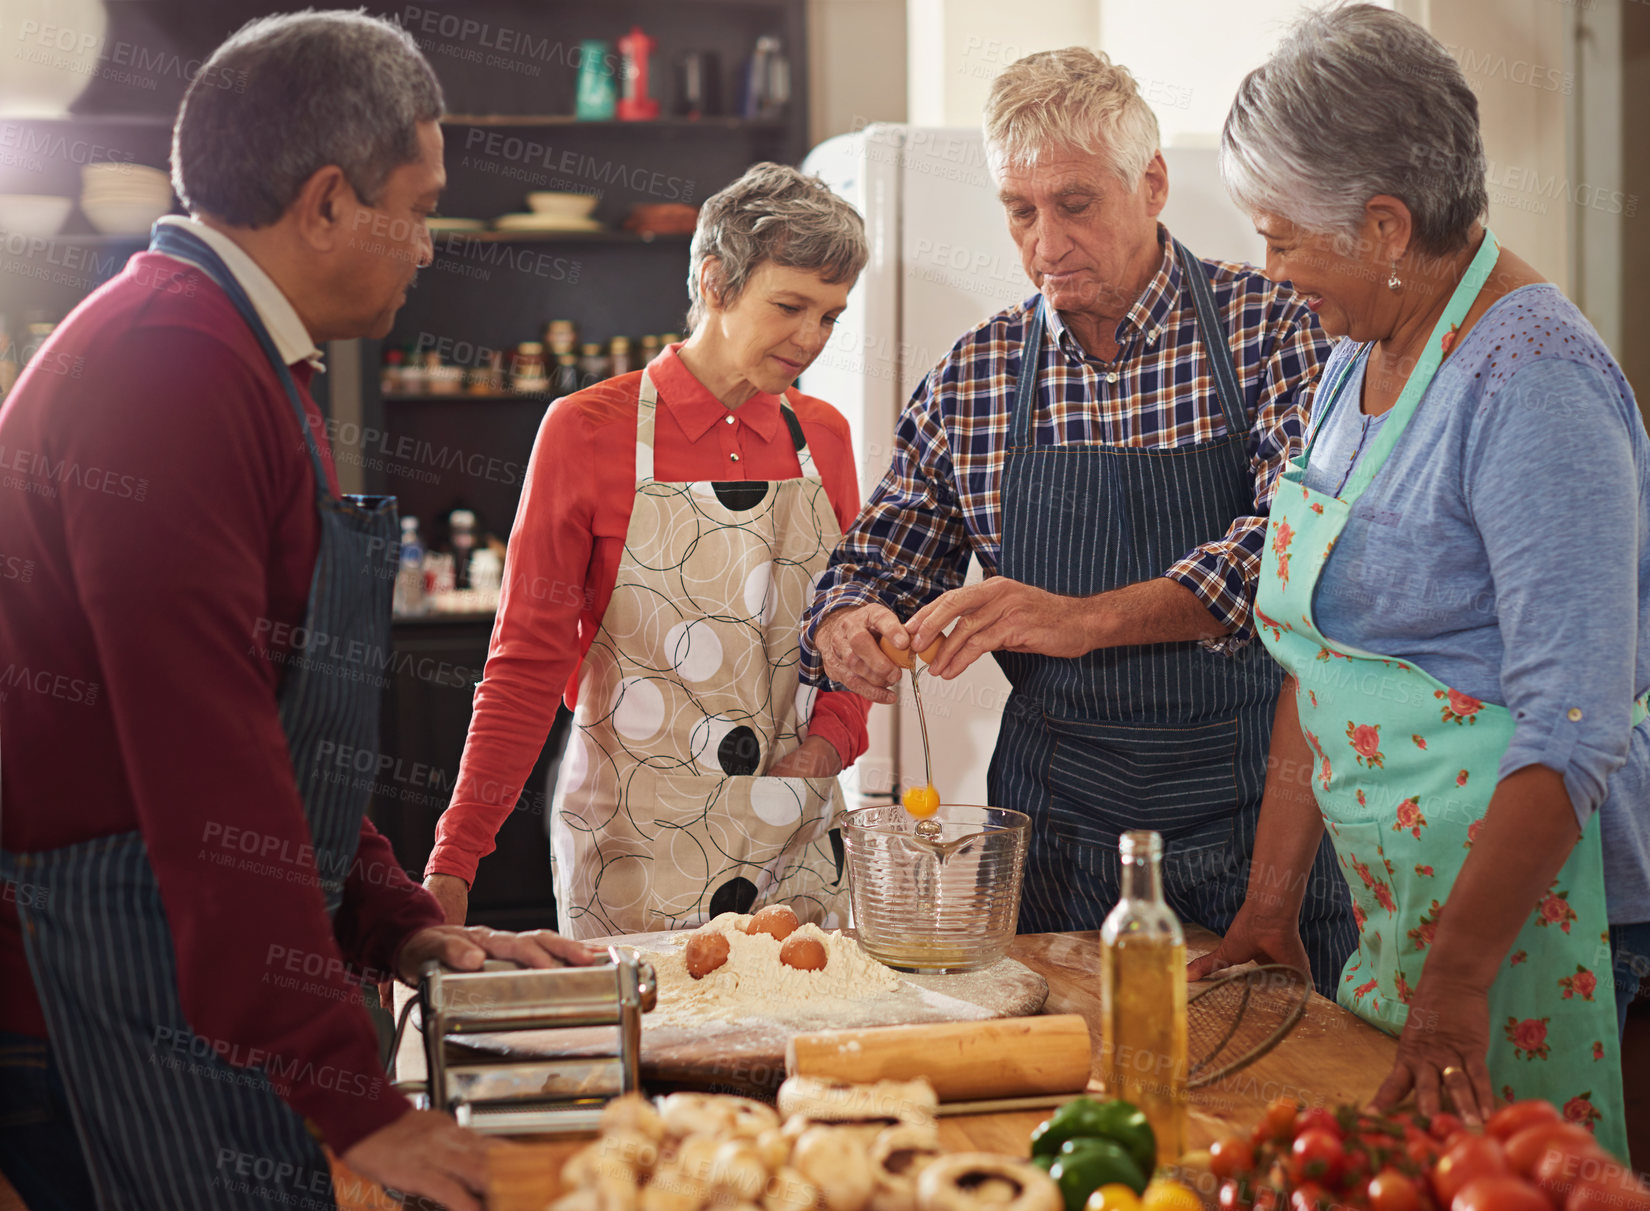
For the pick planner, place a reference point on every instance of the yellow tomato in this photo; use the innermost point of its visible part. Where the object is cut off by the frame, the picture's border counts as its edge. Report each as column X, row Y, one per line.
column 1165, row 1195
column 1113, row 1196
column 921, row 801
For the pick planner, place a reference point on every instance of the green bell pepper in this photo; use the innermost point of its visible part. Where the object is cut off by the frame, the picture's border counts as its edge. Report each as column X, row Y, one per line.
column 1085, row 1118
column 1082, row 1166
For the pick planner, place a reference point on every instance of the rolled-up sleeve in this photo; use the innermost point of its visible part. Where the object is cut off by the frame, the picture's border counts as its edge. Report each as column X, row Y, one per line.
column 909, row 543
column 1551, row 485
column 1223, row 573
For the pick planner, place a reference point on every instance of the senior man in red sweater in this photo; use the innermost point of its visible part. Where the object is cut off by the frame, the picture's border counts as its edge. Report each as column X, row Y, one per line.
column 171, row 848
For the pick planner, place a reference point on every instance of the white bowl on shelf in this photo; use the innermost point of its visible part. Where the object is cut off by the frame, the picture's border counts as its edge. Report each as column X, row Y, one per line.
column 33, row 214
column 544, row 223
column 124, row 218
column 563, row 205
column 119, row 181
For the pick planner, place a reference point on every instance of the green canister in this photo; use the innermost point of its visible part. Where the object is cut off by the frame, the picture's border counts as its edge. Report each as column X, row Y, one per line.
column 598, row 86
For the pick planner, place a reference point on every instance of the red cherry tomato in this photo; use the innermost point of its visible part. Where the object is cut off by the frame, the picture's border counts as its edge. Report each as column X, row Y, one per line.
column 1359, row 1166
column 1309, row 1196
column 1316, row 1155
column 1566, row 1163
column 1423, row 1151
column 1525, row 1149
column 1280, row 1119
column 1472, row 1156
column 1267, row 1198
column 1499, row 1194
column 1230, row 1157
column 1623, row 1194
column 1320, row 1117
column 1510, row 1120
column 1390, row 1190
column 1234, row 1196
column 1444, row 1125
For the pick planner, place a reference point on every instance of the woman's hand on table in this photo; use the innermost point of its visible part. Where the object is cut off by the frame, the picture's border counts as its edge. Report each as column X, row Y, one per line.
column 1255, row 937
column 813, row 758
column 1443, row 1049
column 467, row 947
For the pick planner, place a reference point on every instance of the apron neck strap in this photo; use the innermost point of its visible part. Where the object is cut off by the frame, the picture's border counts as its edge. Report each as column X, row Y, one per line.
column 1025, row 388
column 647, row 406
column 1460, row 302
column 182, row 244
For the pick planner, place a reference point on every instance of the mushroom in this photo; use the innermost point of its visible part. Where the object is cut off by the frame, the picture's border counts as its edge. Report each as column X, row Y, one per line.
column 835, row 1160
column 824, row 1101
column 634, row 1149
column 899, row 1154
column 696, row 1154
column 788, row 1190
column 750, row 1118
column 595, row 1166
column 984, row 1181
column 632, row 1112
column 673, row 1190
column 695, row 1114
column 737, row 1167
column 775, row 1149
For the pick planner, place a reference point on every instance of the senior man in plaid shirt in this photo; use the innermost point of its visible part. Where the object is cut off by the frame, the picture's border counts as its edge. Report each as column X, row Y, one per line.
column 1108, row 451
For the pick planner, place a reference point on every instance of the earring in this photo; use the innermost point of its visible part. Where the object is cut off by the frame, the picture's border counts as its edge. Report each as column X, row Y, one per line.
column 1393, row 282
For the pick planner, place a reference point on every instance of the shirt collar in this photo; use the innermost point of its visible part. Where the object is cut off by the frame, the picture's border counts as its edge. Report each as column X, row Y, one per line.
column 292, row 340
column 697, row 410
column 1148, row 314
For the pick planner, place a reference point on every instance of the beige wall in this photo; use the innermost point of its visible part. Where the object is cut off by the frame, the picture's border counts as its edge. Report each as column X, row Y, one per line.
column 958, row 46
column 856, row 65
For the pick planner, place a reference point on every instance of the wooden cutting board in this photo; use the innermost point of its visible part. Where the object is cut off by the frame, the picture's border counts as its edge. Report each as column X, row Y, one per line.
column 749, row 1055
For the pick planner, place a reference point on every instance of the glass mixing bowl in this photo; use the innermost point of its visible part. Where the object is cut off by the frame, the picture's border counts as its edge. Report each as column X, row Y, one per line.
column 936, row 895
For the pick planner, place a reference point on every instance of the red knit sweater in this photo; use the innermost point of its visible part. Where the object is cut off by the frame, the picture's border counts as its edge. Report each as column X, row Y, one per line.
column 157, row 535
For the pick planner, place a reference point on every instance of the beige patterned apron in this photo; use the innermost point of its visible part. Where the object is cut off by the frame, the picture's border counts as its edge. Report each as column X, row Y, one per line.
column 689, row 692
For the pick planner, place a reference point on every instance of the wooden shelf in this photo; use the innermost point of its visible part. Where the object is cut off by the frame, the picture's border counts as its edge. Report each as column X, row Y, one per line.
column 467, row 397
column 556, row 237
column 767, row 125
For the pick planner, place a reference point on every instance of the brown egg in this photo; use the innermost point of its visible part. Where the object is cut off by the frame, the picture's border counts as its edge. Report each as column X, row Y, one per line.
column 779, row 921
column 803, row 953
column 705, row 952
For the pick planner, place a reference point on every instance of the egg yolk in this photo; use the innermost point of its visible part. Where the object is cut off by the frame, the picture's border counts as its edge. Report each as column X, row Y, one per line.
column 921, row 801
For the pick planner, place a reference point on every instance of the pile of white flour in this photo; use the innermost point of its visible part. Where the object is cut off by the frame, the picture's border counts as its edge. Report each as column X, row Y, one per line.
column 754, row 985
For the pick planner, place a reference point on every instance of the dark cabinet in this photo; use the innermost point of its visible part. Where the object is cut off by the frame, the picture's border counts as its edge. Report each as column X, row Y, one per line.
column 426, row 713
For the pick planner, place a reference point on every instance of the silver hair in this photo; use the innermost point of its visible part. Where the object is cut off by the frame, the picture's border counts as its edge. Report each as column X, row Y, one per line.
column 773, row 213
column 289, row 95
column 1073, row 98
column 1358, row 101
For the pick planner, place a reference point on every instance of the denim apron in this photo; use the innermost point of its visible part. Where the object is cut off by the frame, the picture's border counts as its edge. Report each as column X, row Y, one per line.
column 157, row 1110
column 1169, row 737
column 1405, row 767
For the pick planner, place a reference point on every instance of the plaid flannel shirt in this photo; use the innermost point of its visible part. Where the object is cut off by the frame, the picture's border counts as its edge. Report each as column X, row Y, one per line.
column 941, row 499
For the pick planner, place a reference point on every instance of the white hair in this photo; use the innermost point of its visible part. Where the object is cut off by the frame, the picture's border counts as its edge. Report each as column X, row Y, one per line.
column 1358, row 101
column 1074, row 99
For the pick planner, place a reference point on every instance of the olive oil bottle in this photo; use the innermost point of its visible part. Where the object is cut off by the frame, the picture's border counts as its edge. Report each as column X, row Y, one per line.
column 1143, row 997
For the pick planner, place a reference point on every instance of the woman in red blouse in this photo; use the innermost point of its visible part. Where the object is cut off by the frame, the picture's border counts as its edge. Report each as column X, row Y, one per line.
column 671, row 529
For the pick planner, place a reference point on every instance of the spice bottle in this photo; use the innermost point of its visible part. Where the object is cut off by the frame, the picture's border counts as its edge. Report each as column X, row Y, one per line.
column 620, row 356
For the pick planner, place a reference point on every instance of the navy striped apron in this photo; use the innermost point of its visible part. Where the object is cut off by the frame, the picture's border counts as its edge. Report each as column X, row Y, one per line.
column 164, row 1120
column 1170, row 737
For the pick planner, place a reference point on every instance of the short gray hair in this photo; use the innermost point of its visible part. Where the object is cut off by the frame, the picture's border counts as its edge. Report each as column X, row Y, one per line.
column 773, row 213
column 1358, row 101
column 1074, row 98
column 289, row 95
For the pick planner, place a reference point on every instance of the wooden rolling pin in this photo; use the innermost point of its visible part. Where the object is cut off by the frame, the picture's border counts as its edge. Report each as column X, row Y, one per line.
column 964, row 1061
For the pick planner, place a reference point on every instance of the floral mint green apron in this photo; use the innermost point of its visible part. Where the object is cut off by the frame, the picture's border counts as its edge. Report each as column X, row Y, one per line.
column 1405, row 767
column 664, row 816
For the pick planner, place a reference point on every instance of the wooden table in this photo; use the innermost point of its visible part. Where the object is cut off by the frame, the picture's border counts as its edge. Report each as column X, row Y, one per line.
column 1331, row 1057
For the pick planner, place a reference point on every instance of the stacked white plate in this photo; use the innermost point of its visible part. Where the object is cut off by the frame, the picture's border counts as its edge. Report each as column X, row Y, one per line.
column 124, row 199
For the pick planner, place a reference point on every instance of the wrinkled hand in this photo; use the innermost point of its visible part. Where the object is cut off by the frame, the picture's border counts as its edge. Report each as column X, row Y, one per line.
column 467, row 947
column 847, row 643
column 1253, row 937
column 425, row 1152
column 999, row 615
column 813, row 758
column 452, row 893
column 1448, row 1028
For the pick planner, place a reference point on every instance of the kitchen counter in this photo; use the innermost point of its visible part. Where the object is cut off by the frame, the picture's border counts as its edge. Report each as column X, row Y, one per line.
column 1331, row 1056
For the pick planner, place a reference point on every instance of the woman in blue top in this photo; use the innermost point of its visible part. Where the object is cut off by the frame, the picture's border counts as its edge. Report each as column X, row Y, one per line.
column 1457, row 579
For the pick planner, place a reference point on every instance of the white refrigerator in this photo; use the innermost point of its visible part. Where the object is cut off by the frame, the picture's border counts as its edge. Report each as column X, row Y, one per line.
column 942, row 262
